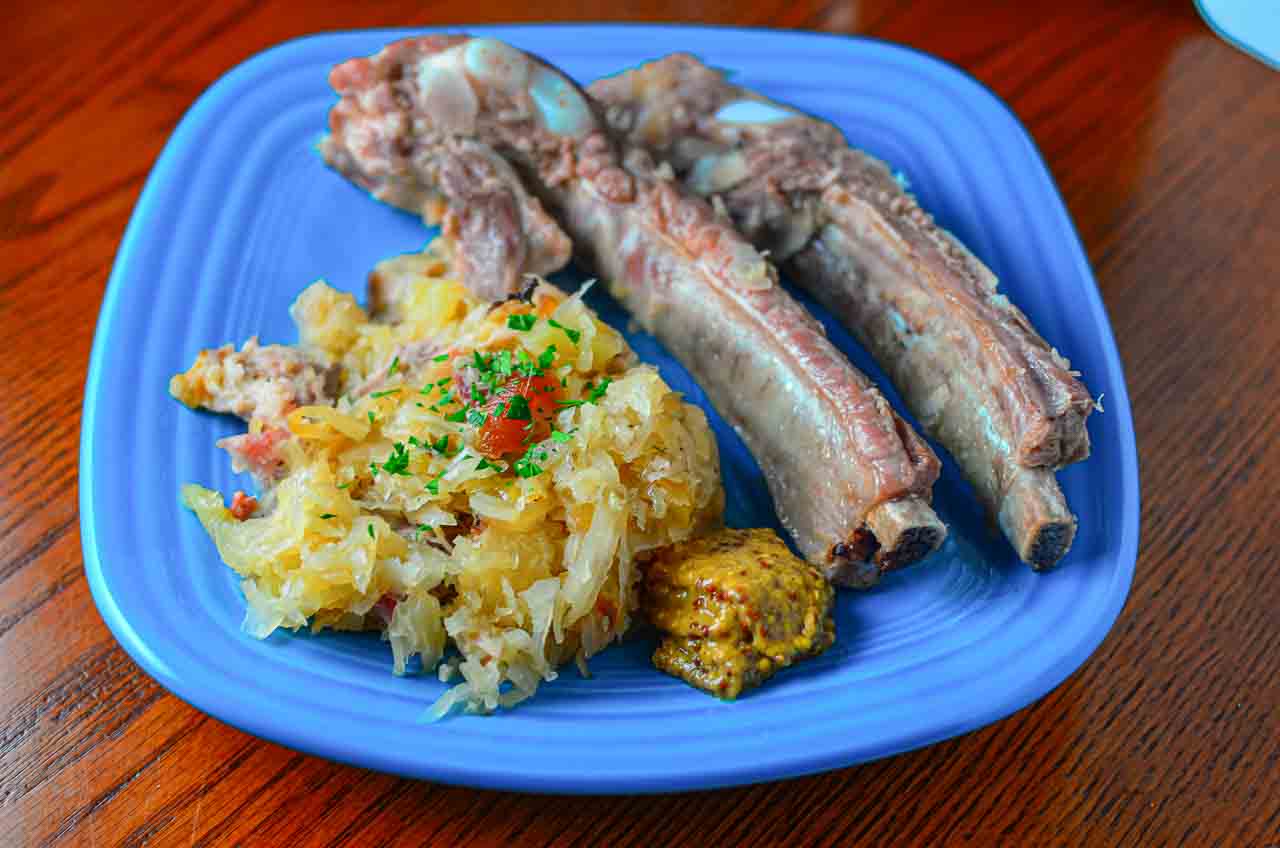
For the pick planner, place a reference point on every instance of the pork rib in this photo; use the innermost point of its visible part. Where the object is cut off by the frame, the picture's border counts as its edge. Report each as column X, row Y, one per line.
column 850, row 480
column 501, row 231
column 966, row 360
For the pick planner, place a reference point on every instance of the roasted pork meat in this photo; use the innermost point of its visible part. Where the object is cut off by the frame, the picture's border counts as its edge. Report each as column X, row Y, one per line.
column 502, row 232
column 967, row 362
column 850, row 480
column 263, row 382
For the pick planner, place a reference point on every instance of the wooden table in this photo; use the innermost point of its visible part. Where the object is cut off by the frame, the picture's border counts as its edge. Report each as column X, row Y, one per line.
column 1166, row 143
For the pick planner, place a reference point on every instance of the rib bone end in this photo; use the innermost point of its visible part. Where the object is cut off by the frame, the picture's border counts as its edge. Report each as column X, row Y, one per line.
column 896, row 534
column 907, row 530
column 1035, row 518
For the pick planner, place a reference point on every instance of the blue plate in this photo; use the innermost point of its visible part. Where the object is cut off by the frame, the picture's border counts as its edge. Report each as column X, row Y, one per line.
column 240, row 214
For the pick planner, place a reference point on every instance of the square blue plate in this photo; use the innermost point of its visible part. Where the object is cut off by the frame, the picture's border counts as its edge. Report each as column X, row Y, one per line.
column 240, row 214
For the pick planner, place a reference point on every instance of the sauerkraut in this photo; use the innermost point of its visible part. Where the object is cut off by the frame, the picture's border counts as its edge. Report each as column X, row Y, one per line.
column 484, row 481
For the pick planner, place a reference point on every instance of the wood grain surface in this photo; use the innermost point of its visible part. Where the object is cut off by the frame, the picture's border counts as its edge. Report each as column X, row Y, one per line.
column 1166, row 143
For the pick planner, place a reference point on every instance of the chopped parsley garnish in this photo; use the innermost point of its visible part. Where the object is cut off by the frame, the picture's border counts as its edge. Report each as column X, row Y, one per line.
column 525, row 364
column 558, row 436
column 522, row 323
column 398, row 462
column 444, row 357
column 476, row 418
column 547, row 358
column 434, row 485
column 518, row 409
column 598, row 391
column 501, row 363
column 594, row 393
column 325, row 516
column 369, row 527
column 375, row 395
column 443, row 381
column 441, row 445
column 343, row 485
column 525, row 467
column 423, row 528
column 373, row 469
column 456, row 417
column 395, row 366
column 484, row 463
column 573, row 335
column 427, row 389
column 372, row 420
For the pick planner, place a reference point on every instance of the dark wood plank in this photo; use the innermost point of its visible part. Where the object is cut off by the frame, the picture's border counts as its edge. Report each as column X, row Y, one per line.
column 1163, row 140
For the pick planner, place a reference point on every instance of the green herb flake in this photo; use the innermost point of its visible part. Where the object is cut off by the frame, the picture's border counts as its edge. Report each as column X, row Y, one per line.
column 484, row 463
column 395, row 366
column 525, row 467
column 423, row 528
column 441, row 445
column 476, row 418
column 598, row 391
column 518, row 409
column 562, row 437
column 547, row 358
column 325, row 516
column 343, row 485
column 456, row 417
column 372, row 420
column 594, row 393
column 501, row 364
column 444, row 357
column 377, row 395
column 434, row 486
column 573, row 335
column 525, row 364
column 523, row 323
column 369, row 527
column 398, row 462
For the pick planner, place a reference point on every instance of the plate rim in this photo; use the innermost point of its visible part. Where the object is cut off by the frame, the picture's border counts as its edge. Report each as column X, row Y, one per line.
column 649, row 780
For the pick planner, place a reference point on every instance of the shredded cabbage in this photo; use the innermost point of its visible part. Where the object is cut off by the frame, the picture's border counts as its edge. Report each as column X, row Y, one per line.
column 372, row 526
